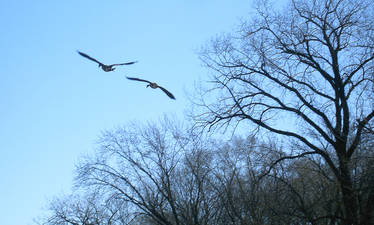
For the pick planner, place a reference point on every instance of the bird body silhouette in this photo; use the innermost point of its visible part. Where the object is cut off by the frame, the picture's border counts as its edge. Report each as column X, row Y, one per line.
column 153, row 85
column 106, row 68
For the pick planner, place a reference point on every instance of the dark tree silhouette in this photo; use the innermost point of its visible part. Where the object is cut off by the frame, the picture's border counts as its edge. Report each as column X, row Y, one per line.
column 86, row 209
column 153, row 175
column 157, row 169
column 307, row 74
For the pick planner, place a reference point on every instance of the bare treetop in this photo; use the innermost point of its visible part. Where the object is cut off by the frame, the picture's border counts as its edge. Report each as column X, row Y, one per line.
column 309, row 63
column 306, row 73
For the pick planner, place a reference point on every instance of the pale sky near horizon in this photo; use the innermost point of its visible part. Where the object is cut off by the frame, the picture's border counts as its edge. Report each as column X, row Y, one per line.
column 54, row 103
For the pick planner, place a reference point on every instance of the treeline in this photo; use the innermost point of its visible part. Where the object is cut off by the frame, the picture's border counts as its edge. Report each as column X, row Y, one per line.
column 163, row 174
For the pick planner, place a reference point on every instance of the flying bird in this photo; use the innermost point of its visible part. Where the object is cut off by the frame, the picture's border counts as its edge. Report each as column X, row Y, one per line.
column 153, row 85
column 106, row 68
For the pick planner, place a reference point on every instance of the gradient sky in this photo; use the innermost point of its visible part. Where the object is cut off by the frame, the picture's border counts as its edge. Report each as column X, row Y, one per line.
column 54, row 103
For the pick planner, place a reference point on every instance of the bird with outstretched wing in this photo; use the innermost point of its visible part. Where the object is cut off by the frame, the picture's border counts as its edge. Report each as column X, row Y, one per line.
column 106, row 68
column 153, row 85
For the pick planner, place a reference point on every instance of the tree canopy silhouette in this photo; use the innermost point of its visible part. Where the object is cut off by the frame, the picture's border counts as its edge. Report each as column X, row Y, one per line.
column 305, row 73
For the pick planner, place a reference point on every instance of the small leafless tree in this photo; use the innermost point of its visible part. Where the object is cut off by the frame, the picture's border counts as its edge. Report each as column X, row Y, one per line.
column 159, row 170
column 236, row 171
column 305, row 74
column 86, row 209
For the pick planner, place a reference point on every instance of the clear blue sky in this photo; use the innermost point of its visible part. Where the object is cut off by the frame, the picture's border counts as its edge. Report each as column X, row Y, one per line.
column 54, row 103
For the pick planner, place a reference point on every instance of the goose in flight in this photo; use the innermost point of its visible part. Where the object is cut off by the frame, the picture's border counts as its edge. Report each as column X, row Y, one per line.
column 106, row 68
column 153, row 85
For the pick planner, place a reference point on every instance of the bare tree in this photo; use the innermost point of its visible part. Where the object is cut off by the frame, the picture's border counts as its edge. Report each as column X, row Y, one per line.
column 295, row 192
column 158, row 170
column 197, row 198
column 86, row 209
column 206, row 182
column 237, row 171
column 305, row 74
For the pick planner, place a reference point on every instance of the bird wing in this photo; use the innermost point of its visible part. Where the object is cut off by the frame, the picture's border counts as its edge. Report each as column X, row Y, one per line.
column 137, row 79
column 167, row 92
column 121, row 64
column 89, row 57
